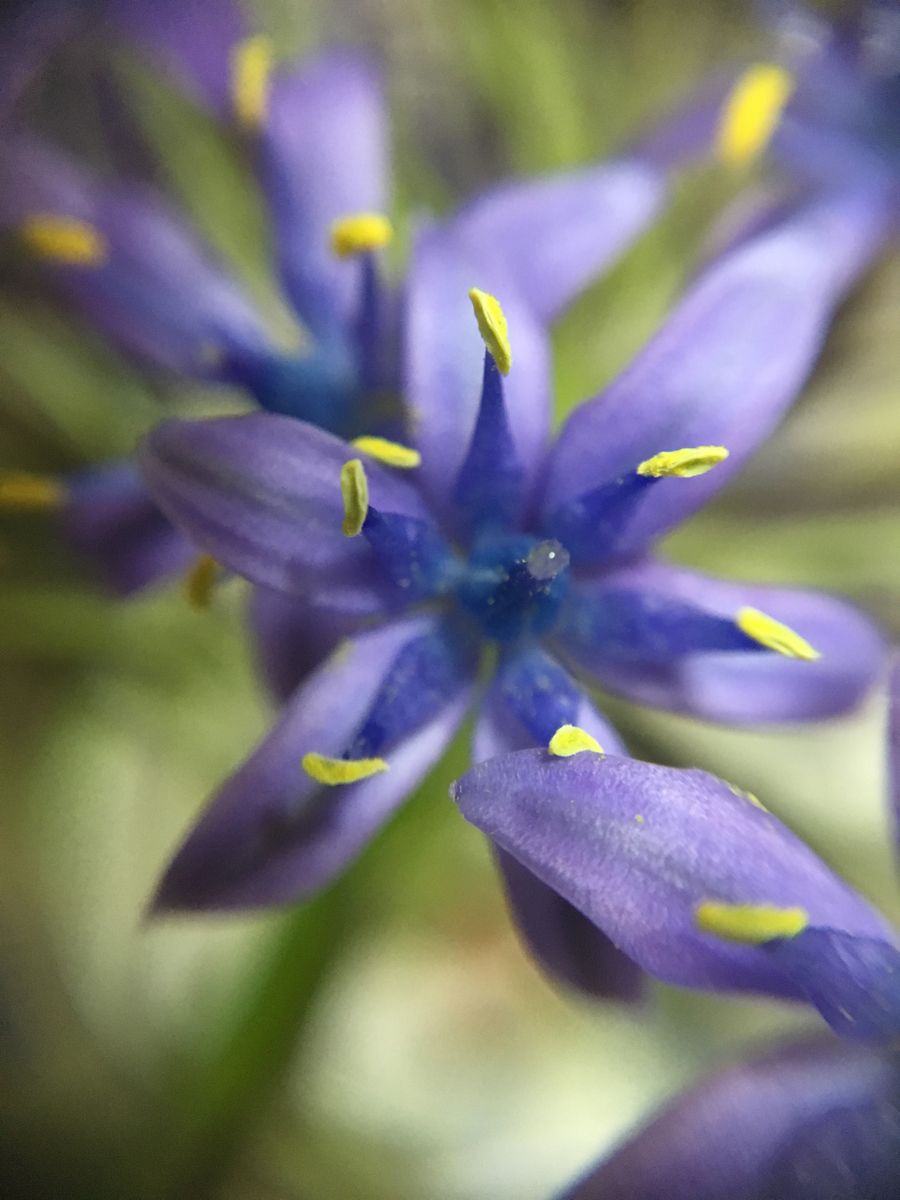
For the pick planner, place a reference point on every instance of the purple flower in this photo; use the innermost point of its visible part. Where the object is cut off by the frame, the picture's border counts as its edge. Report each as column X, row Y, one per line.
column 817, row 1120
column 843, row 119
column 540, row 552
column 317, row 137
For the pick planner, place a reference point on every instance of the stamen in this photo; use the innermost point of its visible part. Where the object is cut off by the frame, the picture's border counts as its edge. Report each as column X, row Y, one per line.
column 748, row 796
column 200, row 581
column 360, row 233
column 63, row 240
column 334, row 771
column 750, row 924
column 492, row 327
column 251, row 68
column 751, row 113
column 571, row 739
column 774, row 635
column 355, row 491
column 30, row 493
column 391, row 453
column 683, row 464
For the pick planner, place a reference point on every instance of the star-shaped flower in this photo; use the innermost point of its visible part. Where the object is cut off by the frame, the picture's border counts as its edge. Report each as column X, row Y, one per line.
column 500, row 540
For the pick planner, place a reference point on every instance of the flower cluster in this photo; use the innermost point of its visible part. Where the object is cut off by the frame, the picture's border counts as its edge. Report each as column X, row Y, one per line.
column 406, row 520
column 316, row 137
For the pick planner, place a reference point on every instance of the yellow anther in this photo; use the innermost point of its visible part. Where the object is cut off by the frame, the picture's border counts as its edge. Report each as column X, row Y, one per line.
column 333, row 771
column 360, row 233
column 200, row 581
column 492, row 327
column 751, row 113
column 63, row 240
column 391, row 453
column 749, row 923
column 683, row 464
column 251, row 68
column 570, row 739
column 355, row 491
column 748, row 796
column 774, row 635
column 36, row 493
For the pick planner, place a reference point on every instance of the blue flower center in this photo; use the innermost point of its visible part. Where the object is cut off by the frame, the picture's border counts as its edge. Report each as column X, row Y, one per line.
column 513, row 584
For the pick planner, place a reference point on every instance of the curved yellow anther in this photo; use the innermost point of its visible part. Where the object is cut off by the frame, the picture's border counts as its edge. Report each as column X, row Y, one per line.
column 355, row 491
column 251, row 68
column 570, row 739
column 748, row 796
column 63, row 240
column 751, row 924
column 200, row 581
column 360, row 233
column 334, row 771
column 391, row 453
column 751, row 113
column 683, row 464
column 492, row 327
column 774, row 635
column 30, row 493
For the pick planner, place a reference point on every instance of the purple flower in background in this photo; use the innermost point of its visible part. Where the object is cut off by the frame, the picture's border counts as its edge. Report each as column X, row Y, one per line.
column 538, row 552
column 843, row 119
column 318, row 139
column 817, row 1120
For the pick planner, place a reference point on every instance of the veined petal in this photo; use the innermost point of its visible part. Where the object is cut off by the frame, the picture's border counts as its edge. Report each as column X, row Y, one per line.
column 725, row 366
column 734, row 686
column 110, row 519
column 813, row 1120
column 292, row 638
column 323, row 153
column 262, row 495
column 194, row 39
column 638, row 848
column 138, row 273
column 272, row 833
column 444, row 358
column 550, row 237
column 528, row 700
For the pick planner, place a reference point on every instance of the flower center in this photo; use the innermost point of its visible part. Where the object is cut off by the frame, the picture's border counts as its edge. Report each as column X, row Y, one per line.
column 514, row 584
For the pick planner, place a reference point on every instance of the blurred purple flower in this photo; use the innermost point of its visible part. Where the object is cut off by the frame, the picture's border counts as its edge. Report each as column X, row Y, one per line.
column 541, row 553
column 318, row 138
column 817, row 1120
column 843, row 120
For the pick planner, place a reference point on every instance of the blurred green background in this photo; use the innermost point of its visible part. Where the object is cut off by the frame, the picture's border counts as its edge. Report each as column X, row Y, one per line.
column 390, row 1039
